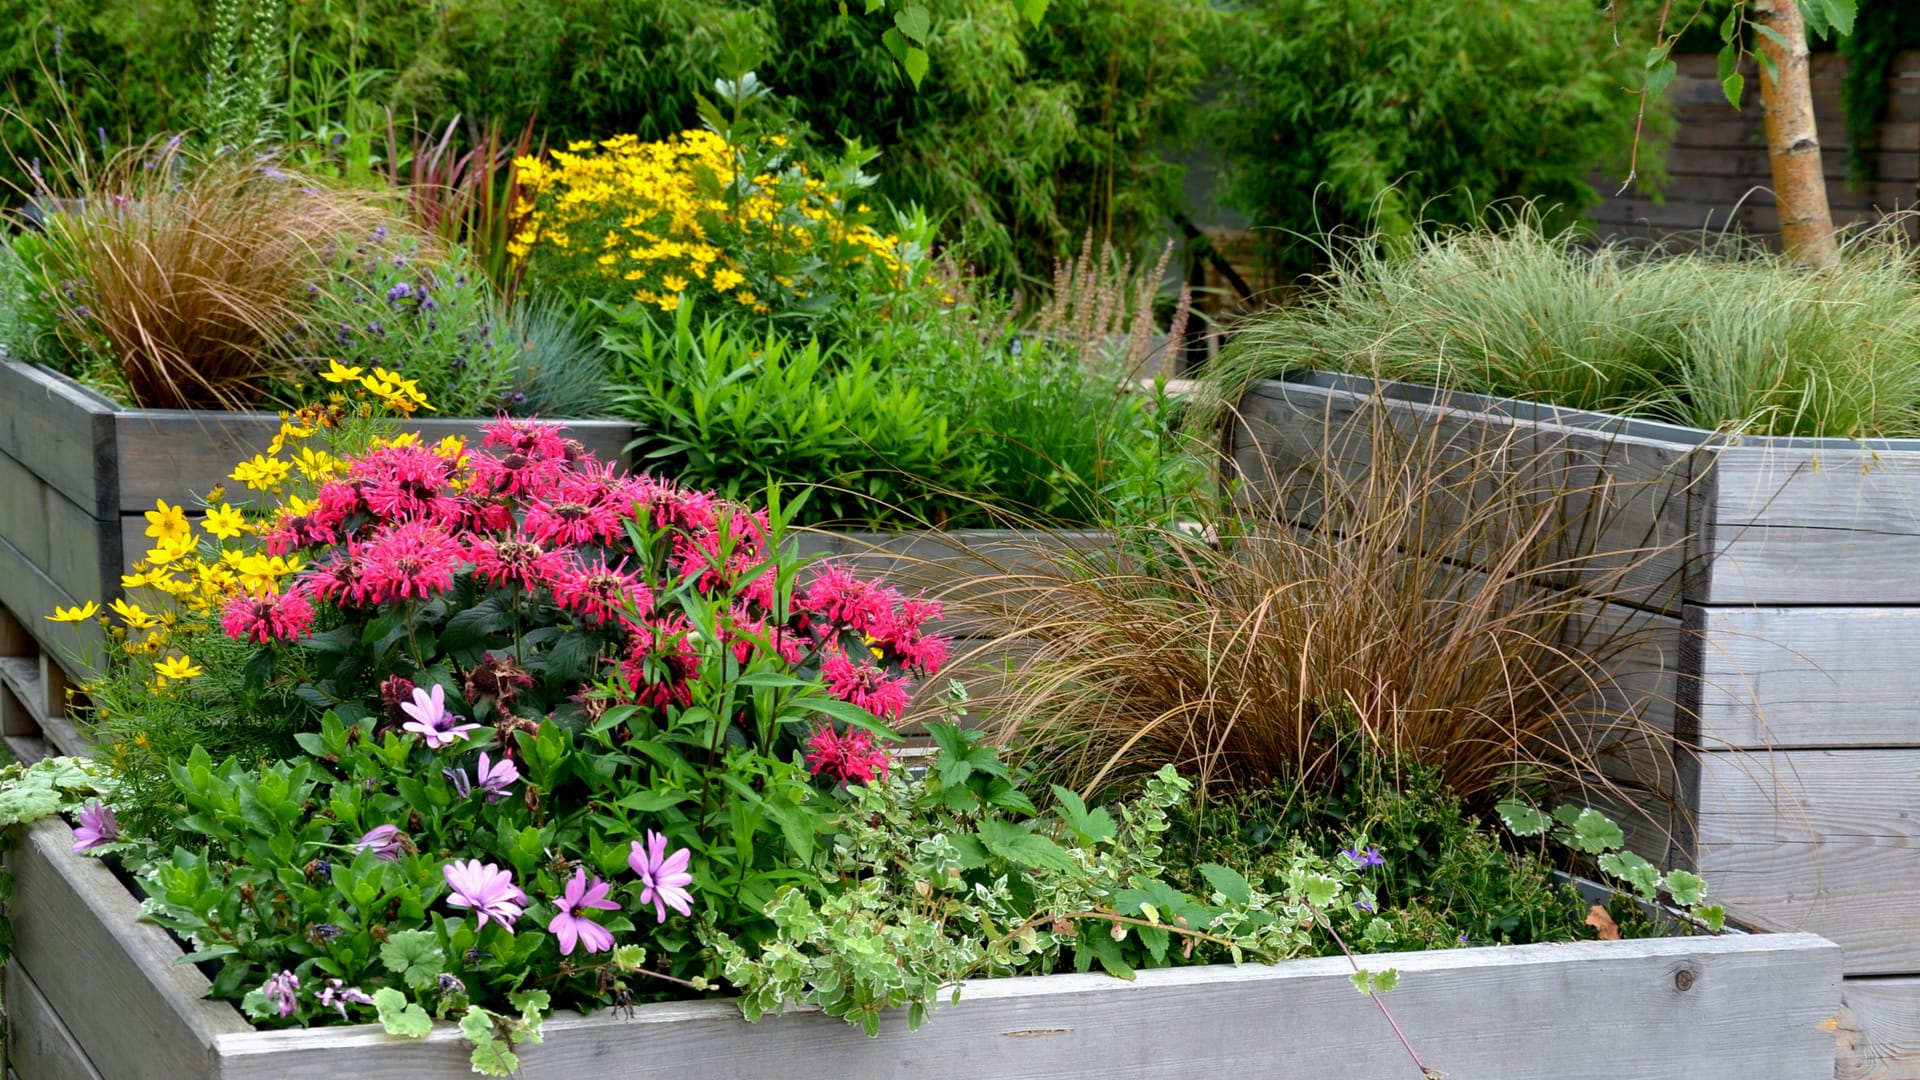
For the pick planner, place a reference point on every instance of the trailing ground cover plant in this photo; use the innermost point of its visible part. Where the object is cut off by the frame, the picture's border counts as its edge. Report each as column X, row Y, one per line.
column 1729, row 337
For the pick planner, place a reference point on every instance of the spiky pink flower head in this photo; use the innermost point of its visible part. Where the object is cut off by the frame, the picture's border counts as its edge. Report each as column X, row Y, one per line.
column 268, row 617
column 571, row 925
column 405, row 482
column 851, row 758
column 661, row 663
column 97, row 826
column 431, row 720
column 902, row 630
column 414, row 560
column 842, row 596
column 335, row 504
column 602, row 593
column 863, row 684
column 665, row 877
column 486, row 890
column 518, row 559
column 336, row 579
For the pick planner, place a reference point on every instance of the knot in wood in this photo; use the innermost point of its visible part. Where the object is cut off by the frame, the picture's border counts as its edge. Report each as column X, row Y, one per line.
column 1683, row 979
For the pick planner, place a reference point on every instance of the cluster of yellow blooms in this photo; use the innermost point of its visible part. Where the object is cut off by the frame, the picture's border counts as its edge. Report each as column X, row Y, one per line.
column 656, row 219
column 197, row 577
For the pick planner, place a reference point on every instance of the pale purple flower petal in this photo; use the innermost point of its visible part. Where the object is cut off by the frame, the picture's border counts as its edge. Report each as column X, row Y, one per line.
column 496, row 779
column 486, row 890
column 385, row 840
column 665, row 878
column 279, row 990
column 572, row 927
column 97, row 826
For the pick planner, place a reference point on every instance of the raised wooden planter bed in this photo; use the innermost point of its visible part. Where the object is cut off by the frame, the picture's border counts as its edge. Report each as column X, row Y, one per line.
column 1783, row 621
column 78, row 472
column 93, row 994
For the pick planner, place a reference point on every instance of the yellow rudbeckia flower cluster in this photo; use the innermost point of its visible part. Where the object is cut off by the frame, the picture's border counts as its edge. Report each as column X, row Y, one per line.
column 658, row 221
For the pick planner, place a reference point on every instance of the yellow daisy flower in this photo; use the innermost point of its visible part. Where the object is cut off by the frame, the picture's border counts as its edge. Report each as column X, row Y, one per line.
column 77, row 614
column 262, row 473
column 176, row 667
column 225, row 522
column 339, row 373
column 135, row 618
column 166, row 523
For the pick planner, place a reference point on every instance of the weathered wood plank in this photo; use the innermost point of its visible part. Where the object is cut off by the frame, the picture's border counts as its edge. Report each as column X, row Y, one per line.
column 1812, row 526
column 1879, row 1029
column 169, row 453
column 1825, row 841
column 111, row 979
column 1781, row 678
column 1754, row 1007
column 27, row 592
column 39, row 1046
column 84, row 559
column 23, row 510
column 61, row 432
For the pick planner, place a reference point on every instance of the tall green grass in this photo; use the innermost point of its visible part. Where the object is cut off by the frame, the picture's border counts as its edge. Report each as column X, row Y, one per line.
column 1728, row 337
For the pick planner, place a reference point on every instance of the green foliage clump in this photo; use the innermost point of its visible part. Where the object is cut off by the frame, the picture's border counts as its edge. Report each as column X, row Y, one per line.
column 1375, row 113
column 1730, row 337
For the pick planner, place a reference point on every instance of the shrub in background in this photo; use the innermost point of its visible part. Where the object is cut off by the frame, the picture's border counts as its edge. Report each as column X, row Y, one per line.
column 1364, row 114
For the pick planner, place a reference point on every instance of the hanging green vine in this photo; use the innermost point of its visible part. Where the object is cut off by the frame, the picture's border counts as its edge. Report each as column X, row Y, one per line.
column 1877, row 34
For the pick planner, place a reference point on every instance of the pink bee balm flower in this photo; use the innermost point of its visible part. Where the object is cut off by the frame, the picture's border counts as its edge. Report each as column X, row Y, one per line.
column 414, row 560
column 285, row 616
column 571, row 925
column 97, row 826
column 851, row 758
column 664, row 876
column 431, row 720
column 864, row 685
column 487, row 891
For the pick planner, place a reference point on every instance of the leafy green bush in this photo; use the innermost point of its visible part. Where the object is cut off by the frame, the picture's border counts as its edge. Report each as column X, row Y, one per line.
column 1376, row 113
column 1730, row 337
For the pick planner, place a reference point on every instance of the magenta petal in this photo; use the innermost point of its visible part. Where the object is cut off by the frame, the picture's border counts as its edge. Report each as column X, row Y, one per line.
column 562, row 927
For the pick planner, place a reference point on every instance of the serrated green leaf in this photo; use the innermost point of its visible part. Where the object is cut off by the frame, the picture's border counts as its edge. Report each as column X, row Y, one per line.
column 1733, row 86
column 1021, row 847
column 1840, row 14
column 914, row 23
column 1634, row 870
column 1320, row 890
column 1713, row 915
column 1227, row 882
column 1361, row 981
column 400, row 1016
column 415, row 956
column 1658, row 78
column 916, row 64
column 1594, row 833
column 1385, row 981
column 1686, row 887
column 1093, row 826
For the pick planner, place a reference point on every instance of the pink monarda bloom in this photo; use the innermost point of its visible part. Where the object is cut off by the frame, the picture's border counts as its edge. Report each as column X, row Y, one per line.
column 571, row 925
column 864, row 685
column 431, row 720
column 600, row 593
column 664, row 876
column 97, row 826
column 411, row 561
column 850, row 759
column 487, row 891
column 282, row 616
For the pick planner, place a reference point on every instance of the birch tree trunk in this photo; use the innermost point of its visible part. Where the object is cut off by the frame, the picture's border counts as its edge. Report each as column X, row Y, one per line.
column 1793, row 147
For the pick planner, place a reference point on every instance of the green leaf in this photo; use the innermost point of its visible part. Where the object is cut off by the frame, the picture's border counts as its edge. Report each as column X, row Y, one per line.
column 1022, row 848
column 1686, row 887
column 916, row 64
column 1034, row 10
column 1092, row 826
column 1634, row 870
column 1595, row 833
column 1659, row 77
column 491, row 1056
column 1522, row 818
column 1362, row 981
column 1320, row 890
column 1733, row 86
column 400, row 1016
column 415, row 956
column 1713, row 915
column 1385, row 981
column 1730, row 26
column 914, row 23
column 1840, row 14
column 1227, row 882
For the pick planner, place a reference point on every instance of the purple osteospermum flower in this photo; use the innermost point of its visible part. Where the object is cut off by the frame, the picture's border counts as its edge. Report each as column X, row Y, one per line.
column 496, row 779
column 462, row 787
column 338, row 995
column 665, row 876
column 486, row 890
column 97, row 826
column 571, row 925
column 279, row 990
column 431, row 720
column 386, row 842
column 1372, row 857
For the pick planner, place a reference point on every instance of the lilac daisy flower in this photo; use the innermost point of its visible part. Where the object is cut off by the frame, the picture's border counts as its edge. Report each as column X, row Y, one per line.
column 338, row 995
column 486, row 890
column 97, row 826
column 571, row 925
column 664, row 876
column 496, row 779
column 385, row 840
column 431, row 720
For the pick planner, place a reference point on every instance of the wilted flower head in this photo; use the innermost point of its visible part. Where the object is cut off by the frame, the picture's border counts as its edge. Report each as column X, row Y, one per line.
column 338, row 995
column 387, row 842
column 279, row 990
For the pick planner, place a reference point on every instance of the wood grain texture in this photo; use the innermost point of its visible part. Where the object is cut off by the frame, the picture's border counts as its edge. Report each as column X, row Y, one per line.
column 39, row 1046
column 1879, row 1029
column 61, row 432
column 31, row 595
column 1797, row 526
column 112, row 980
column 1625, row 496
column 1808, row 676
column 1756, row 1007
column 1824, row 841
column 167, row 453
column 23, row 510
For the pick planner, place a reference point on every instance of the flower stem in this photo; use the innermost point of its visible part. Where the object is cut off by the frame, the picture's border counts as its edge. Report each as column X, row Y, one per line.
column 1425, row 1072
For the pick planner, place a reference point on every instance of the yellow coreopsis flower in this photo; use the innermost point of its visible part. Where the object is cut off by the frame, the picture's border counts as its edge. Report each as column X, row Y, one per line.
column 133, row 616
column 77, row 614
column 176, row 667
column 167, row 552
column 166, row 523
column 225, row 522
column 263, row 473
column 339, row 373
column 318, row 465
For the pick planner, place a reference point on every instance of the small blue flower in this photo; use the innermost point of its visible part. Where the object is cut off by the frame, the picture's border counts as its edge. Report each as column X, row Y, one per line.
column 1360, row 861
column 399, row 292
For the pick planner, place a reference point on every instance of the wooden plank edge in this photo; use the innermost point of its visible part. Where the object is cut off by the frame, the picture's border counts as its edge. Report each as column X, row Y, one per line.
column 39, row 1045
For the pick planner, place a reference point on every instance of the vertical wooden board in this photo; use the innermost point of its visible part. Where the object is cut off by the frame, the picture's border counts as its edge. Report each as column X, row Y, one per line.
column 23, row 510
column 1752, row 1009
column 1823, row 841
column 1812, row 526
column 1879, row 1029
column 1778, row 677
column 31, row 595
column 112, row 979
column 39, row 1046
column 85, row 556
column 1624, row 495
column 60, row 431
